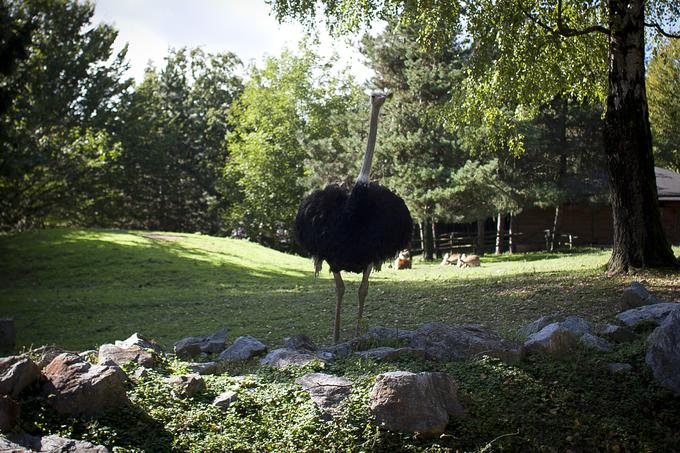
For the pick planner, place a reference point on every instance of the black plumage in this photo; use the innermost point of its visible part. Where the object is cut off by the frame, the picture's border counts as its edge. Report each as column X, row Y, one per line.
column 351, row 230
column 355, row 230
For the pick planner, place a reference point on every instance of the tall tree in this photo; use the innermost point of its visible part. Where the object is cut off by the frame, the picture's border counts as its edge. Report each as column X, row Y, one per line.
column 663, row 84
column 417, row 151
column 65, row 93
column 173, row 135
column 536, row 49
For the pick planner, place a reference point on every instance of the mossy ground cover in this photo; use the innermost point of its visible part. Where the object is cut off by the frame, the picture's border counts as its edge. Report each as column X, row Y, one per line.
column 78, row 289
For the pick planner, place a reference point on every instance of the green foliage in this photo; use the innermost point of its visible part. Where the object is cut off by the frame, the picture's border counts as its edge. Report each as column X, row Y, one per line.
column 416, row 151
column 295, row 128
column 663, row 86
column 62, row 95
column 173, row 136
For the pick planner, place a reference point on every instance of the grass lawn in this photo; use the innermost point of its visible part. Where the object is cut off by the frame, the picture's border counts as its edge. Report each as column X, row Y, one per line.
column 81, row 288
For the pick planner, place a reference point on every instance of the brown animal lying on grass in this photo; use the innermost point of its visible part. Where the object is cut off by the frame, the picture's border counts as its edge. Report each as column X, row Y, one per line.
column 450, row 258
column 468, row 260
column 404, row 260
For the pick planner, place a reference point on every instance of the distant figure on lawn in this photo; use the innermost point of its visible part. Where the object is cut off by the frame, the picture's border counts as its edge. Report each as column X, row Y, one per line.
column 468, row 261
column 354, row 231
column 403, row 261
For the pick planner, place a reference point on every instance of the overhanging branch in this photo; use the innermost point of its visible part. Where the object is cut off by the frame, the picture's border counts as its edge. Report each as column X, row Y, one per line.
column 562, row 29
column 661, row 30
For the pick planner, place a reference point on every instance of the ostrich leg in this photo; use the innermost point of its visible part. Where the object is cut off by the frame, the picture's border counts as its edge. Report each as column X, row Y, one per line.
column 339, row 292
column 363, row 291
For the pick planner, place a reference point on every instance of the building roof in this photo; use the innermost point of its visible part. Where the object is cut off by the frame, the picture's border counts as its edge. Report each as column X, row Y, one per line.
column 667, row 184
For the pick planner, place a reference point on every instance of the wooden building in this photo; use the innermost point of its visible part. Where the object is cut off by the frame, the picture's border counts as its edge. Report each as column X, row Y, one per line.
column 591, row 224
column 578, row 225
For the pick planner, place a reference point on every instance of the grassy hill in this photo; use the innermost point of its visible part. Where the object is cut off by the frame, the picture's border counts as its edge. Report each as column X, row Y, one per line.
column 81, row 288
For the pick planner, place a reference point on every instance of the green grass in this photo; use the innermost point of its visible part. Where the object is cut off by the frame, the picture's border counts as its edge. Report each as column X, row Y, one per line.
column 81, row 288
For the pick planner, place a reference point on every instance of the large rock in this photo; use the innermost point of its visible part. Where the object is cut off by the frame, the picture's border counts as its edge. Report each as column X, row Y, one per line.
column 594, row 342
column 449, row 343
column 16, row 373
column 327, row 391
column 137, row 339
column 187, row 384
column 409, row 402
column 300, row 342
column 619, row 334
column 385, row 334
column 204, row 368
column 194, row 346
column 8, row 335
column 243, row 348
column 283, row 358
column 553, row 339
column 9, row 413
column 577, row 325
column 387, row 354
column 653, row 313
column 341, row 350
column 75, row 387
column 663, row 352
column 121, row 355
column 52, row 444
column 45, row 354
column 537, row 325
column 636, row 295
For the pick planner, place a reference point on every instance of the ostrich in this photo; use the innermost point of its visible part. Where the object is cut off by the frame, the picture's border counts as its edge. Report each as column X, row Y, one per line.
column 355, row 230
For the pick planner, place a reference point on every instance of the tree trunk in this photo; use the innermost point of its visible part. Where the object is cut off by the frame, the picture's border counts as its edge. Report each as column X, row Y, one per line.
column 510, row 244
column 499, row 233
column 639, row 239
column 428, row 243
column 479, row 248
column 553, row 233
column 435, row 246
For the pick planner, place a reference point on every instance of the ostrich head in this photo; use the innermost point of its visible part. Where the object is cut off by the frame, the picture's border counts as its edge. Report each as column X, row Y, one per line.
column 377, row 100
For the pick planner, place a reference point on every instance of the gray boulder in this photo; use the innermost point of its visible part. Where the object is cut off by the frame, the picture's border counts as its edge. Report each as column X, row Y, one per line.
column 341, row 350
column 9, row 413
column 450, row 343
column 16, row 373
column 225, row 399
column 553, row 339
column 594, row 342
column 636, row 295
column 204, row 368
column 326, row 391
column 136, row 339
column 121, row 355
column 577, row 325
column 663, row 352
column 300, row 342
column 618, row 334
column 75, row 387
column 52, row 444
column 383, row 334
column 215, row 343
column 8, row 335
column 187, row 385
column 283, row 358
column 409, row 402
column 655, row 313
column 386, row 354
column 243, row 348
column 189, row 347
column 537, row 325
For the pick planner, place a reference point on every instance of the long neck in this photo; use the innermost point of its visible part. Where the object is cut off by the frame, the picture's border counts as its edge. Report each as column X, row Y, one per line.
column 370, row 146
